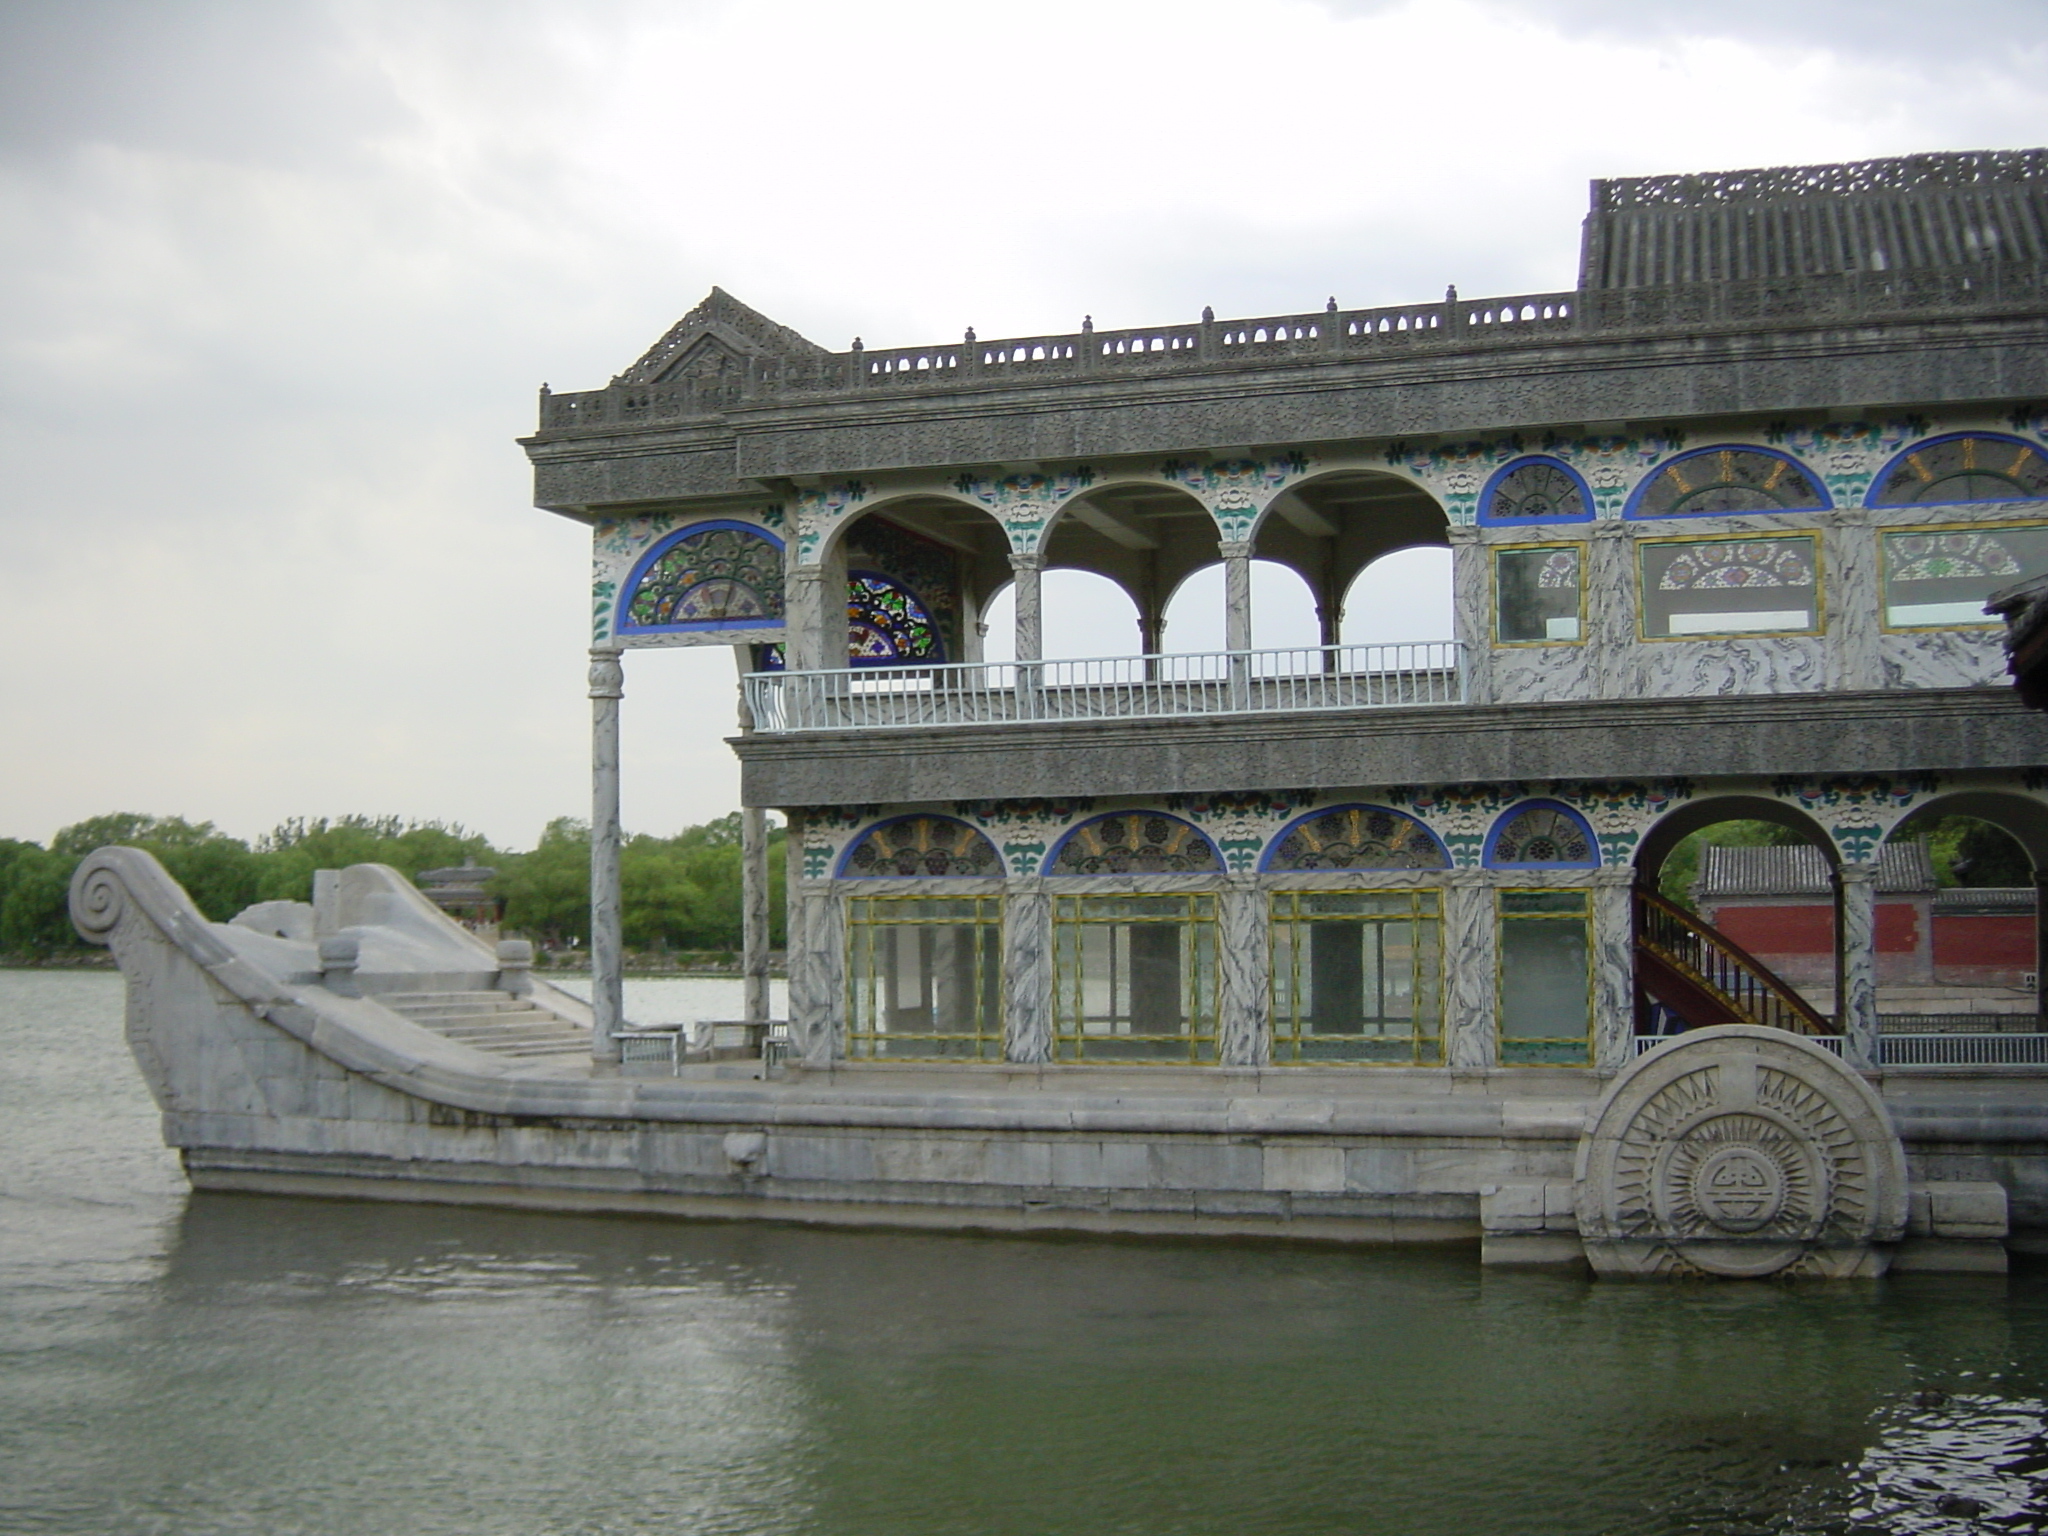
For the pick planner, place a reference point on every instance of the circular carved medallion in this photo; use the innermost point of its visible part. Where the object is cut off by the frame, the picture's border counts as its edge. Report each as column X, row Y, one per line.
column 1740, row 1151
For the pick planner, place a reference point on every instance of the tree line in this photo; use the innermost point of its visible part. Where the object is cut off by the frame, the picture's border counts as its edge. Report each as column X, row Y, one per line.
column 680, row 893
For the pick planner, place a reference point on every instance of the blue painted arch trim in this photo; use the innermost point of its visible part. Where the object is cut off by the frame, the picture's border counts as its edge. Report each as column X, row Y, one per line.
column 1493, row 484
column 1877, row 481
column 1633, row 510
column 843, row 871
column 1052, row 856
column 621, row 625
column 1273, row 844
column 1500, row 824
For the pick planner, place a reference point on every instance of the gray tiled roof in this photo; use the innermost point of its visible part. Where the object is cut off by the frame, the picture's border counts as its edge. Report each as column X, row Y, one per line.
column 1802, row 871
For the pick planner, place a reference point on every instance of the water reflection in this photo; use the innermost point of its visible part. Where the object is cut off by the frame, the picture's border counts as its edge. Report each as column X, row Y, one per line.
column 229, row 1364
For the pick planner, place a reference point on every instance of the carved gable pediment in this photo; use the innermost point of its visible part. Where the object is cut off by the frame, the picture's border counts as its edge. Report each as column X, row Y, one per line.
column 716, row 339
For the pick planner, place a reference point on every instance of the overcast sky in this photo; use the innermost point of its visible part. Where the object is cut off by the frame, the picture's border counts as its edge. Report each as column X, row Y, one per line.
column 280, row 281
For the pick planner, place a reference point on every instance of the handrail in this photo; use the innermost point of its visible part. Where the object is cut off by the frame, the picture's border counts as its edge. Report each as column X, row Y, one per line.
column 1315, row 677
column 1724, row 969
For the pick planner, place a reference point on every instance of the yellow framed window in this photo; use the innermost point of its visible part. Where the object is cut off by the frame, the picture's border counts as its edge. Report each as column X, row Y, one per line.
column 1730, row 586
column 1938, row 578
column 1544, row 995
column 924, row 977
column 1358, row 977
column 1539, row 594
column 1135, row 977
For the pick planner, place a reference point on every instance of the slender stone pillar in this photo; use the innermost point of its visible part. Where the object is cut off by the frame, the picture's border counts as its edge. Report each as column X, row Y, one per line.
column 1469, row 958
column 753, row 880
column 1243, row 1039
column 1614, row 969
column 1237, row 594
column 607, row 945
column 792, row 887
column 817, row 980
column 803, row 588
column 1237, row 618
column 1030, row 619
column 1027, row 972
column 1856, row 962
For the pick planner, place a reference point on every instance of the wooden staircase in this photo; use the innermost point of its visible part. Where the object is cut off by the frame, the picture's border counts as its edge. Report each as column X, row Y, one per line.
column 1705, row 977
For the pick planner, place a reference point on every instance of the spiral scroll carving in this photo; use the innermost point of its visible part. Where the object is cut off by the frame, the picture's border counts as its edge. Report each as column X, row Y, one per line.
column 99, row 898
column 1740, row 1152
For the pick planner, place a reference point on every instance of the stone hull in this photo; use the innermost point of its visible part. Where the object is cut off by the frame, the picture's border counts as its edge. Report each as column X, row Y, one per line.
column 277, row 1083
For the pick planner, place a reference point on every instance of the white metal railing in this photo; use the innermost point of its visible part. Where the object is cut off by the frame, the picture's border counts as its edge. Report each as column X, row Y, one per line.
column 1951, row 1050
column 1109, row 688
column 1959, row 1050
column 1648, row 1043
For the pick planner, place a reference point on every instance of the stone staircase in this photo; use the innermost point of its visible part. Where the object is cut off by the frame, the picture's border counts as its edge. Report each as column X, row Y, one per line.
column 492, row 1021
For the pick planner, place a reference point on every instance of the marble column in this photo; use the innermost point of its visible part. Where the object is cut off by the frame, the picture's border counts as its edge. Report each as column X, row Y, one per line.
column 1469, row 959
column 1849, row 569
column 803, row 589
column 1472, row 612
column 607, row 943
column 1246, row 975
column 792, row 885
column 1027, row 972
column 1237, row 594
column 1856, row 962
column 1237, row 618
column 816, row 994
column 1614, row 969
column 753, row 879
column 1610, row 588
column 1030, row 613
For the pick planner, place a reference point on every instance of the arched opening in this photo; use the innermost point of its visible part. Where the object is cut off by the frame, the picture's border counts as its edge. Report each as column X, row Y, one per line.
column 1145, row 537
column 1965, row 958
column 1330, row 529
column 1402, row 596
column 1283, row 611
column 917, row 573
column 1083, row 614
column 1737, row 919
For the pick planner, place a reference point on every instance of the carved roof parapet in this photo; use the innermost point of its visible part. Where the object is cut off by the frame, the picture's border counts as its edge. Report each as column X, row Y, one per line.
column 1902, row 173
column 1452, row 327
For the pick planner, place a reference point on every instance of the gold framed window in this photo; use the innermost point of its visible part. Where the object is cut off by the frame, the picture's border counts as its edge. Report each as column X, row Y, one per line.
column 1938, row 577
column 1135, row 978
column 1739, row 584
column 924, row 978
column 1358, row 977
column 1539, row 594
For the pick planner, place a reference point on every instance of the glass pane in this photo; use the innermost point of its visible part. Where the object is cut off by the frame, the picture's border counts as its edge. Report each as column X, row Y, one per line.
column 1941, row 576
column 1543, row 901
column 1544, row 979
column 1139, row 989
column 1730, row 586
column 1538, row 595
column 1358, row 987
column 924, row 987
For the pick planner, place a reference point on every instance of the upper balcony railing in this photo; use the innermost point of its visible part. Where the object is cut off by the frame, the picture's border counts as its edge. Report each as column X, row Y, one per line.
column 1108, row 688
column 1455, row 325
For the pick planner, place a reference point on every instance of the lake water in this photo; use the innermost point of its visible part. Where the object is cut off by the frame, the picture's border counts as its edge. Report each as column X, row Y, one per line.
column 172, row 1363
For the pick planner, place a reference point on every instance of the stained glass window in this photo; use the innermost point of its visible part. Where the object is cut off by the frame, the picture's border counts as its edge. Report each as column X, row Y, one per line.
column 1536, row 595
column 1972, row 467
column 1941, row 576
column 924, row 978
column 1727, row 480
column 1358, row 976
column 886, row 625
column 1136, row 843
column 1730, row 586
column 1357, row 837
column 1542, row 834
column 1536, row 490
column 723, row 576
column 932, row 846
